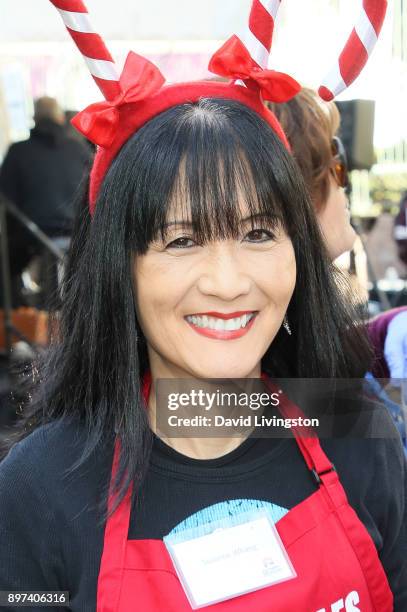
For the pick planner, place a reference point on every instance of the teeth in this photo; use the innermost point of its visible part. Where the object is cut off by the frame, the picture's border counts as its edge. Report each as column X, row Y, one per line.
column 220, row 324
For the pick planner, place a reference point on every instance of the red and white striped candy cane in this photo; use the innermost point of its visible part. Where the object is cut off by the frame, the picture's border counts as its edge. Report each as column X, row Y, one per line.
column 357, row 50
column 258, row 35
column 95, row 53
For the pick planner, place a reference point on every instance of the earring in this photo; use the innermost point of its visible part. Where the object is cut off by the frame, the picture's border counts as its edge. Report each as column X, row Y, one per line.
column 286, row 326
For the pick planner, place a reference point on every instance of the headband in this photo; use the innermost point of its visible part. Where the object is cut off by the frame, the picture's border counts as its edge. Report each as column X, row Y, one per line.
column 140, row 93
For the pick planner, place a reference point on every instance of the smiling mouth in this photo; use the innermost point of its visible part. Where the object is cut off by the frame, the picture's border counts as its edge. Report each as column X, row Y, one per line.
column 222, row 326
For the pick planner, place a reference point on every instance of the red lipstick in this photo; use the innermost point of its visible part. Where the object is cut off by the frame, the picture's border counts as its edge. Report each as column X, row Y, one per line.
column 217, row 334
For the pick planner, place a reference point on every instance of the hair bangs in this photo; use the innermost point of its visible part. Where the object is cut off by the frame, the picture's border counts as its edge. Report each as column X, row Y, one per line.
column 205, row 174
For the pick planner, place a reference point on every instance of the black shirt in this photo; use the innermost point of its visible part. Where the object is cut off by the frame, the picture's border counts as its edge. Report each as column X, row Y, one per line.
column 49, row 533
column 41, row 176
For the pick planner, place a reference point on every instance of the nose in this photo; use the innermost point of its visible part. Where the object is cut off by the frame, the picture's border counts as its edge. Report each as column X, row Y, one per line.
column 223, row 274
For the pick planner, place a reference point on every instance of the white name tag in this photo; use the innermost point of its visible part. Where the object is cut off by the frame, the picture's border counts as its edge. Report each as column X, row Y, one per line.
column 234, row 556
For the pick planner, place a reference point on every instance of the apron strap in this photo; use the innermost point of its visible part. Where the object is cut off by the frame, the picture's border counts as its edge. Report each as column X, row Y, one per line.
column 322, row 469
column 114, row 546
column 117, row 527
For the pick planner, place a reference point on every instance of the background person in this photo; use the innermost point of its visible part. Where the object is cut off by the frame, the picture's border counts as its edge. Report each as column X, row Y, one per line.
column 41, row 176
column 311, row 126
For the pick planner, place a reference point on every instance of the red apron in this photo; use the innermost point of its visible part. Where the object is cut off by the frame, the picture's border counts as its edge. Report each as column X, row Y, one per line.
column 336, row 561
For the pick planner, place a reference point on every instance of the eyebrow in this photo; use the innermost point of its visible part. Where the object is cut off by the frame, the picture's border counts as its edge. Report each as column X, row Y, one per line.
column 249, row 218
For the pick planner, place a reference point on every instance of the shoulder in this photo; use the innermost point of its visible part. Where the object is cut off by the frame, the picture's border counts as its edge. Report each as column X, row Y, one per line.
column 370, row 437
column 48, row 478
column 51, row 437
column 30, row 477
column 18, row 148
column 372, row 468
column 382, row 321
column 47, row 455
column 17, row 156
column 13, row 154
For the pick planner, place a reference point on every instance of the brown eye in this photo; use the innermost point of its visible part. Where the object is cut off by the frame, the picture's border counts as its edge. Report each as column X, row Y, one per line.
column 181, row 243
column 259, row 235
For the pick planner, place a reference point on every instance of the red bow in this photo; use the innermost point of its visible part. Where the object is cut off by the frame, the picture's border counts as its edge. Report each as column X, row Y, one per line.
column 234, row 61
column 139, row 80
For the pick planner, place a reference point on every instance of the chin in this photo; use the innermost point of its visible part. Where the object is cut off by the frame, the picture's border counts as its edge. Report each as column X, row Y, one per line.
column 352, row 238
column 223, row 369
column 348, row 244
column 345, row 245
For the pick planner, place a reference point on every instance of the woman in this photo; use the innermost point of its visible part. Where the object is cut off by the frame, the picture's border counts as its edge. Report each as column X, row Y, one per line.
column 198, row 163
column 200, row 258
column 311, row 126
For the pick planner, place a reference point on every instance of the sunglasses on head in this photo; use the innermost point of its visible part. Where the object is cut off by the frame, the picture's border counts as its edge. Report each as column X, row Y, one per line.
column 339, row 166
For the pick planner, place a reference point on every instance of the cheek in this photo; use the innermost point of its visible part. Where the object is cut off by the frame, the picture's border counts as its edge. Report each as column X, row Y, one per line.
column 333, row 213
column 159, row 286
column 330, row 215
column 334, row 221
column 151, row 291
column 280, row 272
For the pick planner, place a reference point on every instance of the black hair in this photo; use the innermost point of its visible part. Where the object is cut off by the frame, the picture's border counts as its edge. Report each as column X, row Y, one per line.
column 211, row 152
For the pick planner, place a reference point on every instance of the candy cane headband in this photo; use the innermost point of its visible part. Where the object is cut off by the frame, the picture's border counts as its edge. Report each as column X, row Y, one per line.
column 357, row 49
column 139, row 94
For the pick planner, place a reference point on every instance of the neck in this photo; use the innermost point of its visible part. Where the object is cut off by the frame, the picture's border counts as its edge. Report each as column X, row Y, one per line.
column 196, row 448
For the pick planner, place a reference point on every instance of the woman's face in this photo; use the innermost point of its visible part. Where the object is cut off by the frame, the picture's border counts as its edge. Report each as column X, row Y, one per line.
column 334, row 220
column 212, row 310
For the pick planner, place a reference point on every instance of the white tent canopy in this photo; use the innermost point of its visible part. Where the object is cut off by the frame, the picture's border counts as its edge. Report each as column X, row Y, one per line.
column 36, row 20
